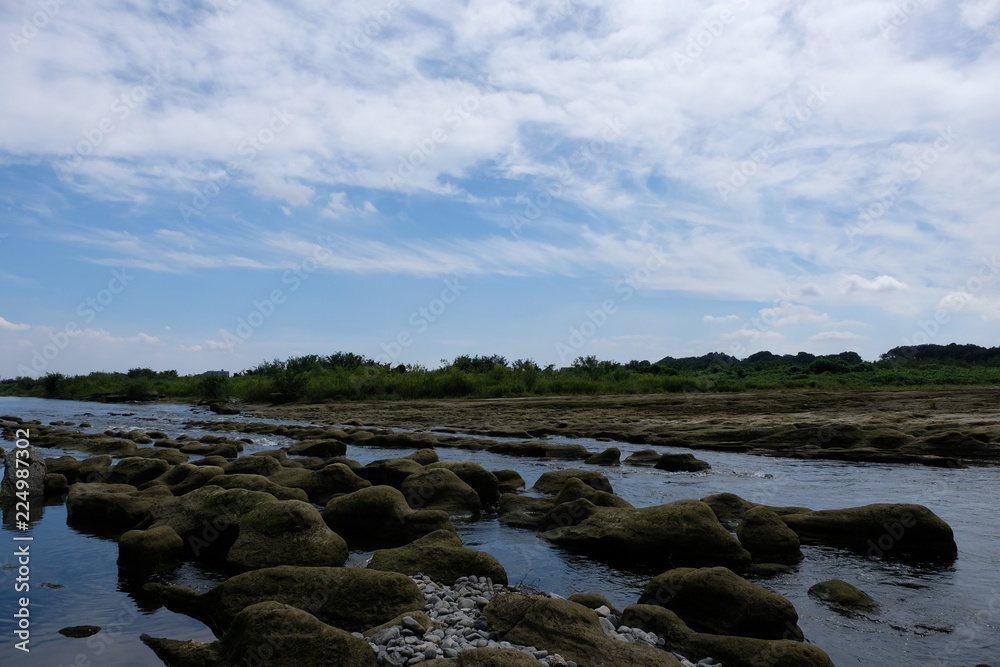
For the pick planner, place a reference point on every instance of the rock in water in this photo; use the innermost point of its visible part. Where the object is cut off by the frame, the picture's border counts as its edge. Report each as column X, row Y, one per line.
column 767, row 537
column 842, row 597
column 441, row 556
column 270, row 634
column 352, row 599
column 23, row 458
column 717, row 601
column 880, row 530
column 677, row 534
column 729, row 651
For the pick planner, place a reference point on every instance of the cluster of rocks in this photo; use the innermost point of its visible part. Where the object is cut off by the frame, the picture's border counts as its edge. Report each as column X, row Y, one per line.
column 286, row 526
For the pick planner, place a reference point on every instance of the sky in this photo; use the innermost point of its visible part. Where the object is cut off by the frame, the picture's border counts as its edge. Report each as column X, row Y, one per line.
column 211, row 184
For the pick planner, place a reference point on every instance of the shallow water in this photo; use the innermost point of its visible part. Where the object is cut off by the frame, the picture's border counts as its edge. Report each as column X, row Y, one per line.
column 930, row 615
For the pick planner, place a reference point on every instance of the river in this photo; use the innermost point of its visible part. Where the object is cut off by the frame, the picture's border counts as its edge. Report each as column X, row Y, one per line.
column 945, row 616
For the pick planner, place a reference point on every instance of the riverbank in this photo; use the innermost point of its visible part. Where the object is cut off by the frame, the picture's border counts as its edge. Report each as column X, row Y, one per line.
column 943, row 428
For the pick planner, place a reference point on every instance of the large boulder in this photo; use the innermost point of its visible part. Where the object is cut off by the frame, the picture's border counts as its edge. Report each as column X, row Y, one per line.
column 717, row 601
column 111, row 506
column 569, row 629
column 440, row 556
column 321, row 447
column 485, row 483
column 378, row 517
column 286, row 532
column 91, row 470
column 441, row 489
column 880, row 530
column 842, row 597
column 137, row 470
column 508, row 481
column 150, row 549
column 352, row 599
column 684, row 533
column 31, row 466
column 321, row 485
column 269, row 634
column 553, row 481
column 390, row 472
column 727, row 650
column 767, row 537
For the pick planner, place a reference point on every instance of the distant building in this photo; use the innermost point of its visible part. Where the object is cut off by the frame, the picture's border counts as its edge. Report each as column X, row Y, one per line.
column 224, row 374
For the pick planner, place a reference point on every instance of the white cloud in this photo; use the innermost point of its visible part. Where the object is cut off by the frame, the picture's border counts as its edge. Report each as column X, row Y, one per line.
column 855, row 283
column 753, row 334
column 10, row 326
column 722, row 318
column 788, row 314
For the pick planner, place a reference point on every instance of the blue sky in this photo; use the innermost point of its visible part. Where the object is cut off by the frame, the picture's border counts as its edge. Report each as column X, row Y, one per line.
column 197, row 185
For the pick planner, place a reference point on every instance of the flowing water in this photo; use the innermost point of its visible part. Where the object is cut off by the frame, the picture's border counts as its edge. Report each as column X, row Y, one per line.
column 947, row 615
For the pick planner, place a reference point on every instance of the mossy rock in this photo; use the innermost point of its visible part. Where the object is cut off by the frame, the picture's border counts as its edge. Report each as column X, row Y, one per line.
column 879, row 530
column 717, row 601
column 508, row 481
column 323, row 448
column 441, row 489
column 593, row 601
column 269, row 634
column 390, row 472
column 150, row 549
column 136, row 470
column 728, row 650
column 553, row 481
column 681, row 463
column 482, row 481
column 258, row 483
column 378, row 517
column 253, row 465
column 321, row 485
column 440, row 556
column 352, row 599
column 286, row 532
column 611, row 456
column 569, row 629
column 767, row 537
column 424, row 456
column 111, row 506
column 92, row 470
column 185, row 478
column 678, row 534
column 644, row 457
column 843, row 597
